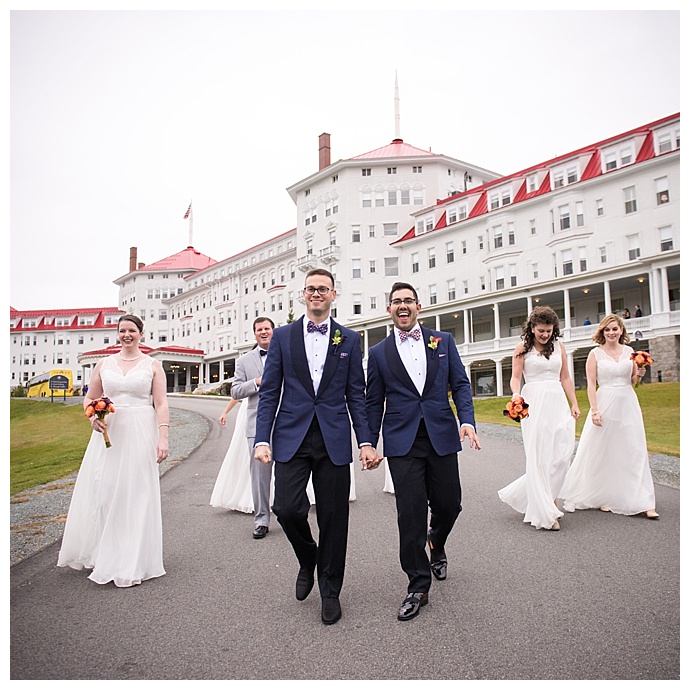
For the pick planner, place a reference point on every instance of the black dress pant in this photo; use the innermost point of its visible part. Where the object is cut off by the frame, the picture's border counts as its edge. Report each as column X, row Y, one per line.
column 424, row 480
column 291, row 507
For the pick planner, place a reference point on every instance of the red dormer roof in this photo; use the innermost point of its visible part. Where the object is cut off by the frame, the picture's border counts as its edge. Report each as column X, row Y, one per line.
column 42, row 317
column 592, row 169
column 396, row 149
column 187, row 259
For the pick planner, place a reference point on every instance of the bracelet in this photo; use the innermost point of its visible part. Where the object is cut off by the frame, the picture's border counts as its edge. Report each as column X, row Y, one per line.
column 164, row 424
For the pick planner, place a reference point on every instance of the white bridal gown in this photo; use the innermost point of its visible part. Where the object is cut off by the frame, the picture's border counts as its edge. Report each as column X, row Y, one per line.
column 548, row 436
column 114, row 523
column 611, row 466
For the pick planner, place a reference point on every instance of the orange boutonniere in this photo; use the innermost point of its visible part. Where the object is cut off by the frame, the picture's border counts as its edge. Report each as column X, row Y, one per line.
column 641, row 359
column 516, row 409
column 101, row 407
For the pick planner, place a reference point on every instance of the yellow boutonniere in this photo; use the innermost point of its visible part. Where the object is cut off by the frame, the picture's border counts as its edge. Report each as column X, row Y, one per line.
column 337, row 337
column 433, row 342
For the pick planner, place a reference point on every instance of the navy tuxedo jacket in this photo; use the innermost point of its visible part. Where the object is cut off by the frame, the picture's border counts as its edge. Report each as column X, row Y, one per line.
column 287, row 402
column 390, row 387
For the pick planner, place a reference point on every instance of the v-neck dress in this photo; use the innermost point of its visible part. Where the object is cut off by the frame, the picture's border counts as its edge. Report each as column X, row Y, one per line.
column 114, row 524
column 611, row 466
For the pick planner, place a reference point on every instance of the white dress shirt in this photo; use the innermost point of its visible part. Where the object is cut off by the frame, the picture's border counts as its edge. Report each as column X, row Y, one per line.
column 316, row 346
column 413, row 356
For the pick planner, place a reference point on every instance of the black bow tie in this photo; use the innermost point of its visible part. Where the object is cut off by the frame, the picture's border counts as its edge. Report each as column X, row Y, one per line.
column 263, row 353
column 321, row 328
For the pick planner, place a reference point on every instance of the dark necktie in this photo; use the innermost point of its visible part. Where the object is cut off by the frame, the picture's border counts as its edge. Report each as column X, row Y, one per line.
column 404, row 335
column 321, row 328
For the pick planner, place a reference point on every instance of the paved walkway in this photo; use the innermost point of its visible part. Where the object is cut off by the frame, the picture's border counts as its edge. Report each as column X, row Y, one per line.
column 599, row 599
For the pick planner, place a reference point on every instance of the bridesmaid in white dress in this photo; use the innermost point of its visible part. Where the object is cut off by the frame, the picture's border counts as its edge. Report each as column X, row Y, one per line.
column 548, row 433
column 611, row 467
column 114, row 523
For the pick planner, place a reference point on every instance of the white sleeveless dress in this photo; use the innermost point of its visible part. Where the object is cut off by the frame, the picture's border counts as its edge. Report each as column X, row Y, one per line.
column 548, row 436
column 611, row 466
column 114, row 523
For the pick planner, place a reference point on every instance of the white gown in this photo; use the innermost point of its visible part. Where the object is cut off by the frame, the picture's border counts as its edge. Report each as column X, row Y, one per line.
column 548, row 436
column 114, row 523
column 611, row 466
column 233, row 487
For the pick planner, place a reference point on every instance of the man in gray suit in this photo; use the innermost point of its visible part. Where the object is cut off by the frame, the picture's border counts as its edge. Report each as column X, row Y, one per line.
column 248, row 372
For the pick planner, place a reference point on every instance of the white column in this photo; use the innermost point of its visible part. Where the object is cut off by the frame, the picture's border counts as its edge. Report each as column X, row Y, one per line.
column 566, row 307
column 438, row 322
column 499, row 377
column 665, row 300
column 466, row 326
column 653, row 292
column 529, row 305
column 221, row 372
column 188, row 378
column 607, row 298
column 497, row 321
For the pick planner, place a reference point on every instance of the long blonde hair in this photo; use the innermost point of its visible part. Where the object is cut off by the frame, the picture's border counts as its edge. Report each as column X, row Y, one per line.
column 598, row 336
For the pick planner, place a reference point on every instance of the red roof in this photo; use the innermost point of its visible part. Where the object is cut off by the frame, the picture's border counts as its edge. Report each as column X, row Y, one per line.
column 396, row 149
column 592, row 169
column 171, row 349
column 188, row 258
column 43, row 315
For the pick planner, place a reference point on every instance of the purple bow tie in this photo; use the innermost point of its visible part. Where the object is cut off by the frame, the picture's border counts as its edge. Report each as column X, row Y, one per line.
column 404, row 335
column 321, row 328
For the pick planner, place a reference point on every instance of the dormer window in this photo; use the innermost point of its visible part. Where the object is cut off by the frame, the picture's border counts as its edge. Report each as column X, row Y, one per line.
column 618, row 156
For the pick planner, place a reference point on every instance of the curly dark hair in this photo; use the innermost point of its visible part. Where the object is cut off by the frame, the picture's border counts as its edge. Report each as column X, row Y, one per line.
column 540, row 315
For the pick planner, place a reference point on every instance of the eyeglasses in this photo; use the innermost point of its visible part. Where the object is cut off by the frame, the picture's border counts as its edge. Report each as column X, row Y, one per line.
column 408, row 300
column 322, row 289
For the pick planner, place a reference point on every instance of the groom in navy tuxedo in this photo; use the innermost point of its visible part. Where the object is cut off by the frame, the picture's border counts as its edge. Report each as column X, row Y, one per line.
column 410, row 375
column 313, row 377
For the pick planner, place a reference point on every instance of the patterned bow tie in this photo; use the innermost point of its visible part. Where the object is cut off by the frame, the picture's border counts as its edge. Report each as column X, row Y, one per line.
column 404, row 335
column 262, row 353
column 321, row 328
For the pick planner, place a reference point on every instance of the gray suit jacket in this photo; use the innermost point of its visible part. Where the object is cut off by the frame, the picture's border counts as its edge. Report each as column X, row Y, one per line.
column 249, row 367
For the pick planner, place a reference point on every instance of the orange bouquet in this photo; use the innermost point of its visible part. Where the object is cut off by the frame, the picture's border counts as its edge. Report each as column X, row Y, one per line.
column 641, row 359
column 100, row 407
column 516, row 409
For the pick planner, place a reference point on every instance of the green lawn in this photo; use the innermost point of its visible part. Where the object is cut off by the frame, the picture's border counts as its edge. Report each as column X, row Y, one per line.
column 660, row 404
column 48, row 440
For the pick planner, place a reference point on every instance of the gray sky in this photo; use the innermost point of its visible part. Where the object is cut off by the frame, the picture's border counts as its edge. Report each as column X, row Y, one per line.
column 119, row 119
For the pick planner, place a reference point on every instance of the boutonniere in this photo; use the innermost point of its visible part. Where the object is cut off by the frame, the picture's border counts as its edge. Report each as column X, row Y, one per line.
column 338, row 338
column 433, row 344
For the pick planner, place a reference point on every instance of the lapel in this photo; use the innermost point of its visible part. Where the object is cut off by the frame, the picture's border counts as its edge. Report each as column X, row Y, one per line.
column 396, row 364
column 258, row 360
column 431, row 360
column 331, row 363
column 299, row 355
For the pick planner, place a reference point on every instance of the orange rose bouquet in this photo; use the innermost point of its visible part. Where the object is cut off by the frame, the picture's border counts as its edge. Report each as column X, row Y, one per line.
column 101, row 407
column 641, row 359
column 516, row 409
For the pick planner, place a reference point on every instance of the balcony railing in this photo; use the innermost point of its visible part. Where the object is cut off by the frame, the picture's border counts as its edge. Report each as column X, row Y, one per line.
column 330, row 254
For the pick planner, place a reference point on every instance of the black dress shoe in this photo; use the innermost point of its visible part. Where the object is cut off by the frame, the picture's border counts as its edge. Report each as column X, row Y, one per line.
column 438, row 562
column 411, row 605
column 304, row 584
column 330, row 610
column 260, row 532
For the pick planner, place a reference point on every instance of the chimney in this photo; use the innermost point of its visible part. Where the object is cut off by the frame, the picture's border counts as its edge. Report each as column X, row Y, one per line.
column 324, row 151
column 132, row 259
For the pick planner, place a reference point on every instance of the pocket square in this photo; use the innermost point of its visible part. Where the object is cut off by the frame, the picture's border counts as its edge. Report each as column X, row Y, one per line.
column 344, row 354
column 441, row 354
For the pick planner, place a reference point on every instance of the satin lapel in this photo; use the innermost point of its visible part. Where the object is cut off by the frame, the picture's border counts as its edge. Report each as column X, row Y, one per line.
column 299, row 356
column 332, row 359
column 431, row 360
column 396, row 364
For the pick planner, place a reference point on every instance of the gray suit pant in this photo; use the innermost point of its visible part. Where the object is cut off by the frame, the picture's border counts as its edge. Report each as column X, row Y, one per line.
column 261, row 487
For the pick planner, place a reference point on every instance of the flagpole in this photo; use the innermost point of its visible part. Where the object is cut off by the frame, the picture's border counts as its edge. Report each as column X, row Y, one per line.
column 190, row 215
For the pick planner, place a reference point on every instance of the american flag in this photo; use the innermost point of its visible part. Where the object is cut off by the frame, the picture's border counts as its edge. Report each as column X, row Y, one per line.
column 189, row 210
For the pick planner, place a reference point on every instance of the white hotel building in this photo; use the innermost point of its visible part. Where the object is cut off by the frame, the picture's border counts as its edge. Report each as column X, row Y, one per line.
column 589, row 232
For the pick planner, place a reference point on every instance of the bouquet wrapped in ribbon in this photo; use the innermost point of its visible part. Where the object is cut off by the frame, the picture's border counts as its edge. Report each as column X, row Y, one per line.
column 641, row 359
column 101, row 407
column 516, row 409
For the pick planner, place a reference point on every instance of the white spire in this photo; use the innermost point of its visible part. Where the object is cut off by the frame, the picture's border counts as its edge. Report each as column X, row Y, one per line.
column 397, row 107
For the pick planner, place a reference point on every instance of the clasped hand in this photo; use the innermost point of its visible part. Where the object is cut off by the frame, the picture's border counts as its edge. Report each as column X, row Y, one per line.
column 369, row 458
